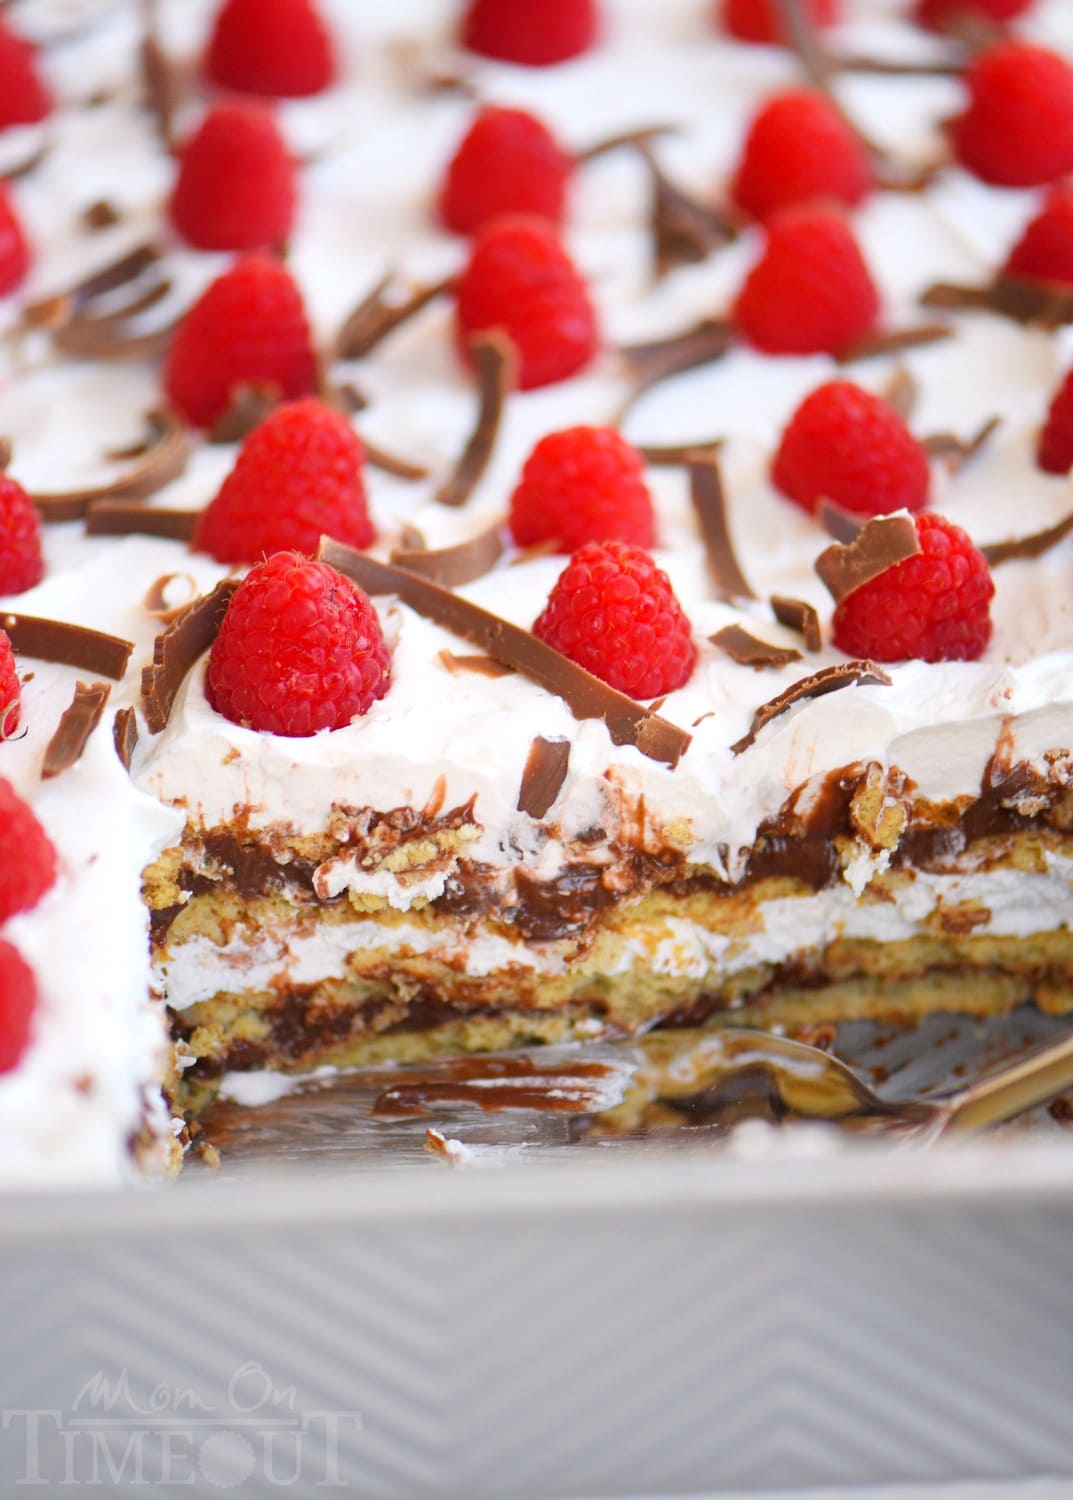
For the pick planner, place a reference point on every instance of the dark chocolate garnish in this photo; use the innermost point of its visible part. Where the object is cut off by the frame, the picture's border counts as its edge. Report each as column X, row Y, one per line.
column 101, row 215
column 453, row 566
column 795, row 614
column 838, row 522
column 628, row 722
column 956, row 452
column 625, row 139
column 247, row 407
column 482, row 666
column 177, row 649
column 684, row 230
column 709, row 502
column 667, row 455
column 391, row 463
column 826, row 680
column 67, row 645
column 660, row 359
column 748, row 651
column 1034, row 545
column 893, row 341
column 74, row 729
column 496, row 362
column 545, row 771
column 156, row 461
column 881, row 542
column 1048, row 304
column 125, row 735
column 116, row 518
column 377, row 315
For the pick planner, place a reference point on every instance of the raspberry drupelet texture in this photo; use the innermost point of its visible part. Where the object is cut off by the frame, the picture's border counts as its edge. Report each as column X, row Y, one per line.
column 248, row 328
column 1055, row 451
column 1018, row 128
column 10, row 691
column 300, row 650
column 520, row 279
column 760, row 20
column 27, row 858
column 297, row 476
column 14, row 251
column 508, row 162
column 532, row 32
column 940, row 15
column 236, row 188
column 586, row 484
column 277, row 48
column 931, row 607
column 24, row 98
column 18, row 1001
column 1045, row 250
column 811, row 291
column 846, row 445
column 799, row 148
column 21, row 562
column 615, row 613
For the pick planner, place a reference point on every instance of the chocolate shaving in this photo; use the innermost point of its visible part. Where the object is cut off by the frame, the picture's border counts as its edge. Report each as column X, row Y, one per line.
column 1034, row 302
column 74, row 729
column 177, row 649
column 666, row 455
column 748, row 651
column 496, row 361
column 625, row 139
column 156, row 603
column 157, row 460
column 159, row 77
column 28, row 163
column 377, row 315
column 709, row 502
column 659, row 360
column 483, row 666
column 826, row 680
column 897, row 68
column 101, row 215
column 956, row 452
column 901, row 392
column 7, row 452
column 49, row 312
column 1034, row 545
column 125, row 735
column 247, row 407
column 893, row 341
column 628, row 722
column 838, row 522
column 453, row 566
column 544, row 774
column 684, row 230
column 411, row 539
column 116, row 518
column 881, row 542
column 795, row 614
column 67, row 645
column 390, row 463
column 349, row 398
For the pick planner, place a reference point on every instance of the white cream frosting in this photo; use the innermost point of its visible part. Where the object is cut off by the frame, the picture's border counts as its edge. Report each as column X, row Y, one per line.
column 377, row 149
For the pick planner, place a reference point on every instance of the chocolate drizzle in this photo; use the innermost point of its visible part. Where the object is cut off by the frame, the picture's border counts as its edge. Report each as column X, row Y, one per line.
column 1039, row 302
column 67, row 645
column 881, row 543
column 377, row 315
column 177, row 649
column 628, row 722
column 542, row 779
column 155, row 462
column 74, row 729
column 709, row 503
column 749, row 651
column 453, row 566
column 1034, row 545
column 827, row 680
column 795, row 614
column 125, row 735
column 116, row 518
column 496, row 361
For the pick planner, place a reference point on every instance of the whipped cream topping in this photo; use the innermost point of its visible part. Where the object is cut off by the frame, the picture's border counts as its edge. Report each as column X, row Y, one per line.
column 375, row 148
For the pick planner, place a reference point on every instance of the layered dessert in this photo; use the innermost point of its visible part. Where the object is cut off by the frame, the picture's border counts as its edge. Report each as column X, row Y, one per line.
column 512, row 837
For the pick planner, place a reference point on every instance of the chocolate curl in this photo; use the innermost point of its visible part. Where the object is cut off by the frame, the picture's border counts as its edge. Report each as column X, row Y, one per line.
column 668, row 455
column 795, row 614
column 894, row 341
column 881, row 543
column 451, row 567
column 628, row 722
column 709, row 503
column 160, row 80
column 659, row 360
column 956, row 452
column 78, row 722
column 842, row 524
column 827, row 680
column 247, row 407
column 177, row 649
column 684, row 230
column 155, row 602
column 1032, row 302
column 496, row 360
column 114, row 518
column 161, row 457
column 749, row 651
column 543, row 776
column 67, row 645
column 481, row 666
column 1034, row 545
column 125, row 735
column 377, row 315
column 901, row 392
column 28, row 164
column 391, row 463
column 630, row 140
column 58, row 309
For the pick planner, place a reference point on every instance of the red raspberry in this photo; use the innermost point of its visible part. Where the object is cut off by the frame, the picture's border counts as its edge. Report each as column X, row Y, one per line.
column 27, row 858
column 236, row 188
column 534, row 32
column 614, row 613
column 279, row 48
column 21, row 563
column 798, row 148
column 14, row 253
column 248, row 327
column 810, row 292
column 508, row 163
column 10, row 692
column 300, row 650
column 760, row 21
column 583, row 485
column 943, row 15
column 297, row 476
column 931, row 607
column 846, row 445
column 519, row 278
column 18, row 1001
column 1055, row 452
column 1045, row 250
column 24, row 99
column 1018, row 128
